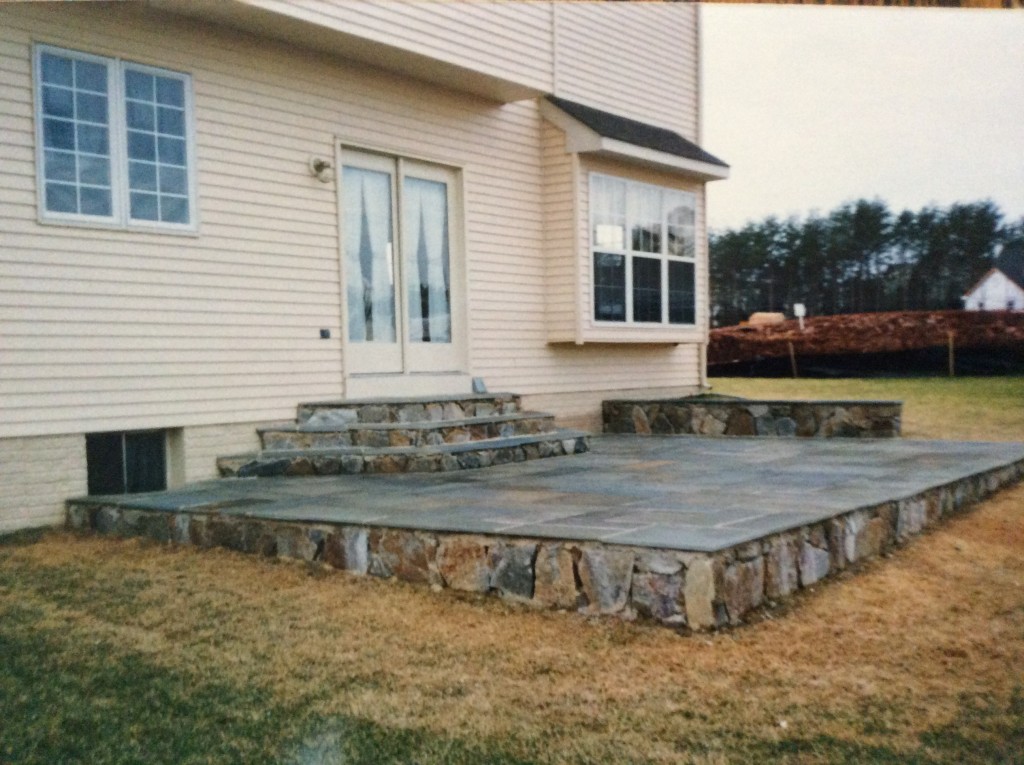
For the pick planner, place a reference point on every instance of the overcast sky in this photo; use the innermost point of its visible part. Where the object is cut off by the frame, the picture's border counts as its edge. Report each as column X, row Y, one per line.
column 815, row 106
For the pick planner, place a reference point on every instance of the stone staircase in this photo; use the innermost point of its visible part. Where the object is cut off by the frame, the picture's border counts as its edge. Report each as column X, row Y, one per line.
column 421, row 435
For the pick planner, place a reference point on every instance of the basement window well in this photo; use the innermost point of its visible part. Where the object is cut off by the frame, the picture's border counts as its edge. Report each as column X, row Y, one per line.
column 126, row 462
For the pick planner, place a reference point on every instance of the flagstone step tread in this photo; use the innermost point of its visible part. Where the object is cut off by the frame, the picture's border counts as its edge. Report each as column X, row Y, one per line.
column 490, row 443
column 393, row 400
column 327, row 427
column 439, row 458
column 408, row 409
column 401, row 434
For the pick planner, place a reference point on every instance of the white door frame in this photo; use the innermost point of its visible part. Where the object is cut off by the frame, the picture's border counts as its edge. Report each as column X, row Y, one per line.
column 405, row 367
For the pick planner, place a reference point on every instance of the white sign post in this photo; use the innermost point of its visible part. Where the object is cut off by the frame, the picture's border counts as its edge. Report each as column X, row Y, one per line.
column 800, row 311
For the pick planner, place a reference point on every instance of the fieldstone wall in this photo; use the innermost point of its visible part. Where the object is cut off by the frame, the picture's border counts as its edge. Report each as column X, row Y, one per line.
column 723, row 416
column 694, row 590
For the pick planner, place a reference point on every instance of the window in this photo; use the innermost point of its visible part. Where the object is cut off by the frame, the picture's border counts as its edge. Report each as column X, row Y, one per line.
column 113, row 141
column 126, row 463
column 644, row 252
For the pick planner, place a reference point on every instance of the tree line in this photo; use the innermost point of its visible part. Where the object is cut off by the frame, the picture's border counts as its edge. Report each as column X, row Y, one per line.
column 860, row 257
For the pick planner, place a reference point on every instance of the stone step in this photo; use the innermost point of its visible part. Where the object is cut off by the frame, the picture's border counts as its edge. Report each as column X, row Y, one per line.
column 404, row 459
column 425, row 408
column 320, row 435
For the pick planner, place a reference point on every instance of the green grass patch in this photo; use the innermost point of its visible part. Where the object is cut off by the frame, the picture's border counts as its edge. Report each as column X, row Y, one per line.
column 67, row 698
column 965, row 408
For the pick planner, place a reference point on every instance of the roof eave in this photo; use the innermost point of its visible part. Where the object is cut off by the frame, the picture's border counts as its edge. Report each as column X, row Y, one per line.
column 978, row 283
column 660, row 160
column 581, row 139
column 331, row 39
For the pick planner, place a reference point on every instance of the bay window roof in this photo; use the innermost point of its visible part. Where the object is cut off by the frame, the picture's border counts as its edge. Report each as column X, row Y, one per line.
column 590, row 130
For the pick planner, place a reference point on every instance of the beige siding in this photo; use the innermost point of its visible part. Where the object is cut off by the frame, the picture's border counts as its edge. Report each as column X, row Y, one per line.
column 560, row 257
column 508, row 40
column 36, row 476
column 110, row 329
column 203, row 445
column 634, row 59
column 105, row 329
column 38, row 473
column 113, row 329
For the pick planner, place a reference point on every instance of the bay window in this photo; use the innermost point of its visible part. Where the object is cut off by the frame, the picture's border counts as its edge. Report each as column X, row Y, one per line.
column 643, row 247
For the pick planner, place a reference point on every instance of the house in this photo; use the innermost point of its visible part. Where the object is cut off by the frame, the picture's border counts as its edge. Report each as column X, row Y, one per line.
column 213, row 211
column 1002, row 288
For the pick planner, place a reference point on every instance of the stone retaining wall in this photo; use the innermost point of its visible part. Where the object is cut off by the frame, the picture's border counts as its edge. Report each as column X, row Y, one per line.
column 723, row 416
column 699, row 591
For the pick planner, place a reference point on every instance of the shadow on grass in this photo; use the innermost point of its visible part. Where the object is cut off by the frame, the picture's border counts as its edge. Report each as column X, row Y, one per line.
column 66, row 699
column 23, row 537
column 983, row 732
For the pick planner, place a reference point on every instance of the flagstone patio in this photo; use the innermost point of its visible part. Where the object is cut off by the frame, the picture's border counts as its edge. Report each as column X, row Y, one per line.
column 687, row 530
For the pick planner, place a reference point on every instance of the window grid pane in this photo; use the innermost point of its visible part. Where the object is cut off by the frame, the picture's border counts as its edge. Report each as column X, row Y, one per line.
column 609, row 205
column 647, row 289
column 609, row 287
column 644, row 206
column 75, row 136
column 681, row 220
column 157, row 153
column 681, row 293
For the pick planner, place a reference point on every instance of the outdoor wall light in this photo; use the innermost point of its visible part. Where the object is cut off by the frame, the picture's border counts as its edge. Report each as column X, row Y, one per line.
column 321, row 169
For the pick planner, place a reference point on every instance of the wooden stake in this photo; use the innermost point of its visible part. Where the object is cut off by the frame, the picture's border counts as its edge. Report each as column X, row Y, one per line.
column 952, row 356
column 792, row 359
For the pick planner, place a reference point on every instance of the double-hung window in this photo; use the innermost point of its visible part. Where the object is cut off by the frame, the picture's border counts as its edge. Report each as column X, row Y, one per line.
column 113, row 142
column 644, row 252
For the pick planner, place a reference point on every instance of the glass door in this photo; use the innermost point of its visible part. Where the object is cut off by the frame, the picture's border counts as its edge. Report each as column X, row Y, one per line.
column 405, row 312
column 368, row 213
column 433, row 304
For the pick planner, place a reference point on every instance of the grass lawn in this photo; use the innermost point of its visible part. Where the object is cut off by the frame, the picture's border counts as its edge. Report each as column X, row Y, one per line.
column 127, row 651
column 967, row 408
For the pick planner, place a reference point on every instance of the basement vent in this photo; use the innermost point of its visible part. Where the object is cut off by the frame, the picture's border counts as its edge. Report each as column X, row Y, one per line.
column 126, row 463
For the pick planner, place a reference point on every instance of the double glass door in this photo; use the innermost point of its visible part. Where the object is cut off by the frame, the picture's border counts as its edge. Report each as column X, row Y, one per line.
column 401, row 265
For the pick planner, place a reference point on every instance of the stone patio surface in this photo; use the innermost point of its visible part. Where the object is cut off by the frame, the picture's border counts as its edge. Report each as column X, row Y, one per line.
column 685, row 493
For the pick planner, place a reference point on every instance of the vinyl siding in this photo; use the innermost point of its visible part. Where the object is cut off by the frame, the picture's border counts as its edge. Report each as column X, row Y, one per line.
column 634, row 59
column 36, row 476
column 559, row 238
column 108, row 329
column 507, row 40
column 203, row 445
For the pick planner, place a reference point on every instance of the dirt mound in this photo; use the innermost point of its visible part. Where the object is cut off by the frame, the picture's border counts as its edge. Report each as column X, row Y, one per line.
column 891, row 332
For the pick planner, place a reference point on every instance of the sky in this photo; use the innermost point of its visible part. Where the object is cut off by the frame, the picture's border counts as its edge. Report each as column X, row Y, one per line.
column 813, row 106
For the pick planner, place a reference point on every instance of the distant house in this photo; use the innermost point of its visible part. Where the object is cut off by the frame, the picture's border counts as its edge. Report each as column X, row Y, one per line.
column 1002, row 288
column 210, row 212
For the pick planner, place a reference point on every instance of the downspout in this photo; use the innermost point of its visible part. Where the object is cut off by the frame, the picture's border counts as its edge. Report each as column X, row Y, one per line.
column 702, row 348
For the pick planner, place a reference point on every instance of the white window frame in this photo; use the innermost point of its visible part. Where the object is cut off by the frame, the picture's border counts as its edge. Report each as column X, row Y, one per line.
column 120, row 217
column 629, row 254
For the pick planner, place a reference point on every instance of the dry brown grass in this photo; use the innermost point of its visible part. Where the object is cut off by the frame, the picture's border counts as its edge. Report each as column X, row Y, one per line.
column 876, row 659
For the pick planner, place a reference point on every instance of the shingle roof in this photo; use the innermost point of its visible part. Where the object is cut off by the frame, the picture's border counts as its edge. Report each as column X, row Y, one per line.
column 1011, row 261
column 609, row 125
